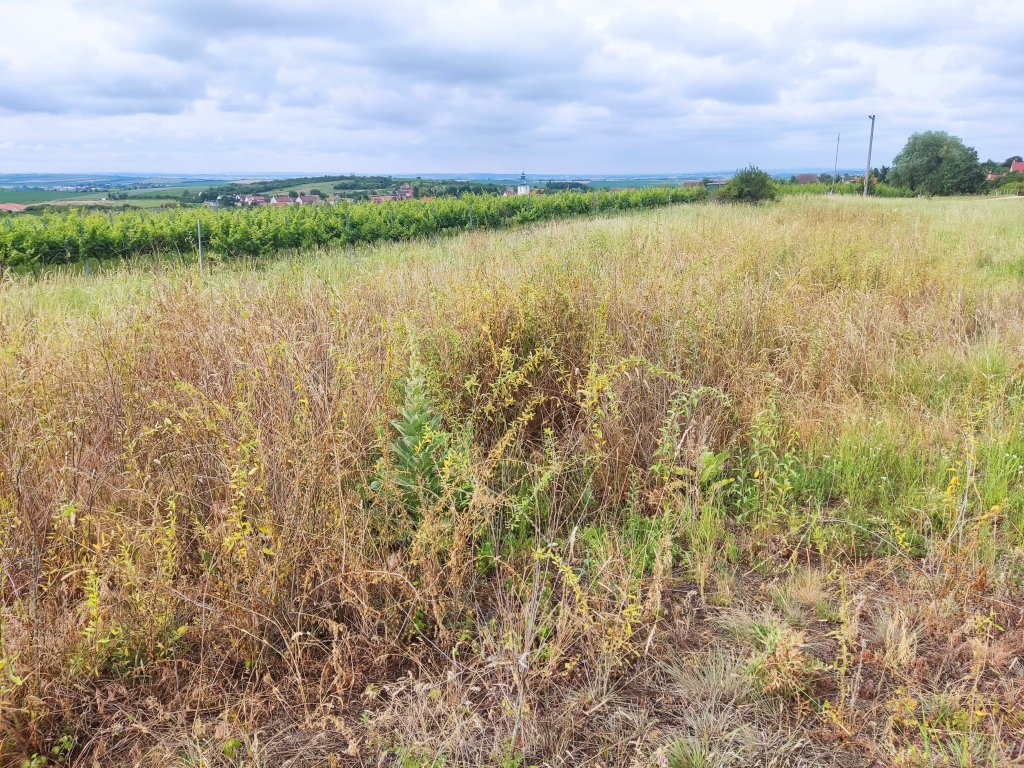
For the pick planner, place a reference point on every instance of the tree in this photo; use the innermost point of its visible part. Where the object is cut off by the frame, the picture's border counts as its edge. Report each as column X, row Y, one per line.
column 935, row 163
column 751, row 185
column 882, row 174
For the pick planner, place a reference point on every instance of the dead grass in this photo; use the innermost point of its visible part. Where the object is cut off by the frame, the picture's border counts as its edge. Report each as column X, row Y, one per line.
column 703, row 486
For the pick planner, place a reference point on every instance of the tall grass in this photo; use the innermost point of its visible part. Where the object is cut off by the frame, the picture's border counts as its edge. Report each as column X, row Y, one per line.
column 704, row 485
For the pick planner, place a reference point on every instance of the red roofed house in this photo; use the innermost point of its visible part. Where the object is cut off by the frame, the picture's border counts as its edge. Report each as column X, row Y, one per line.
column 307, row 200
column 281, row 200
column 807, row 178
column 1017, row 166
column 12, row 207
column 404, row 192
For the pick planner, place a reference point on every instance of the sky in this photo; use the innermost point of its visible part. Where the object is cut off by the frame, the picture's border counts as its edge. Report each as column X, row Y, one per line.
column 554, row 86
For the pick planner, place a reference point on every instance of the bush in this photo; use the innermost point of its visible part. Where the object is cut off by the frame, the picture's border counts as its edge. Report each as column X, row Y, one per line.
column 751, row 185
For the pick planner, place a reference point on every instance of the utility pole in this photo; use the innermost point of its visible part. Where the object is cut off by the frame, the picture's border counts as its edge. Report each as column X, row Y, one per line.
column 835, row 168
column 871, row 140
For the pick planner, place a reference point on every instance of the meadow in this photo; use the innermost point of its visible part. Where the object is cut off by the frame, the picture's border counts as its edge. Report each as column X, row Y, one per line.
column 703, row 485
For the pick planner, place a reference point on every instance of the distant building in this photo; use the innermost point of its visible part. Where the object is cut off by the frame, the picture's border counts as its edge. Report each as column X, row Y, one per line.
column 523, row 188
column 307, row 200
column 807, row 178
column 254, row 200
column 1017, row 166
column 404, row 192
column 281, row 200
column 12, row 207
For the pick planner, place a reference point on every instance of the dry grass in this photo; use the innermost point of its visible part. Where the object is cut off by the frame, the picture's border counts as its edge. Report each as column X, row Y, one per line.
column 703, row 486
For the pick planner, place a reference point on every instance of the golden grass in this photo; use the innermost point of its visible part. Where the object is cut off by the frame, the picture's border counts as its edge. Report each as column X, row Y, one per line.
column 740, row 485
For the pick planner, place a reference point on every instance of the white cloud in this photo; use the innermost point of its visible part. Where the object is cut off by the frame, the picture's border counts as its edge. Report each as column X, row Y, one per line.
column 564, row 86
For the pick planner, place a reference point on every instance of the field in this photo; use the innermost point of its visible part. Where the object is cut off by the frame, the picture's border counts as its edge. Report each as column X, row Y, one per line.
column 704, row 485
column 96, row 201
column 138, row 198
column 165, row 193
column 76, row 199
column 30, row 196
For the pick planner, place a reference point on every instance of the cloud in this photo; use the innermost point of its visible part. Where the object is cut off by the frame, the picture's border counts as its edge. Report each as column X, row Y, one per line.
column 560, row 86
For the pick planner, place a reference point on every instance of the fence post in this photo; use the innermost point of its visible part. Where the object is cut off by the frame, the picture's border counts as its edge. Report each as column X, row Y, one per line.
column 199, row 233
column 348, row 231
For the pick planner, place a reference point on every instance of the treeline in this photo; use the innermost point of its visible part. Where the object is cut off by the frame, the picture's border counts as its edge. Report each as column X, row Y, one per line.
column 73, row 236
column 257, row 187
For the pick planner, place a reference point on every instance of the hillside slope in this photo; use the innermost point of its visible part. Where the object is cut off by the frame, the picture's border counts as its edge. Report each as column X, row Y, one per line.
column 699, row 486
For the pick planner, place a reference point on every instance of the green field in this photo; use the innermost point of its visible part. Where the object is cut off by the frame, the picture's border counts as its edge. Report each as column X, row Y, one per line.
column 705, row 485
column 29, row 196
column 165, row 193
column 140, row 198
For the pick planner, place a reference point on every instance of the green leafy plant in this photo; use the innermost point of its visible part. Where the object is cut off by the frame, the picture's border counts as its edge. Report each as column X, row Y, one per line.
column 419, row 446
column 751, row 185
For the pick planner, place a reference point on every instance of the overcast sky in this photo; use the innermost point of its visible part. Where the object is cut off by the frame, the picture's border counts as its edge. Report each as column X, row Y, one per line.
column 226, row 86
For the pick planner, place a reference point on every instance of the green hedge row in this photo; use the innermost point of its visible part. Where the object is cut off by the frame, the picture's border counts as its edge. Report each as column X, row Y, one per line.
column 843, row 188
column 71, row 236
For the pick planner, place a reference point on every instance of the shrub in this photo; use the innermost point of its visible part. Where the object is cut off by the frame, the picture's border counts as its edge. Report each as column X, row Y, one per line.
column 751, row 185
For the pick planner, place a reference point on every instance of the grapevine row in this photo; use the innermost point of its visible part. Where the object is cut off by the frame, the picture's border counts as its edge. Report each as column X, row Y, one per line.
column 28, row 241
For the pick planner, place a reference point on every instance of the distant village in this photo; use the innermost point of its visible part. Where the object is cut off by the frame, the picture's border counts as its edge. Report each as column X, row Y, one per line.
column 996, row 178
column 402, row 192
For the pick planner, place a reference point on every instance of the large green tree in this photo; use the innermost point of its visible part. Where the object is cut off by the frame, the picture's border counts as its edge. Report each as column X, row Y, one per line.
column 935, row 163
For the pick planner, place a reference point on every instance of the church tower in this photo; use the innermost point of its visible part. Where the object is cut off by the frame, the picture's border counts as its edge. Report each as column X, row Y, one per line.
column 523, row 188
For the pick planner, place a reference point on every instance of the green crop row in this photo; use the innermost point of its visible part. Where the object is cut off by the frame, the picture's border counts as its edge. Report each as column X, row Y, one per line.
column 73, row 236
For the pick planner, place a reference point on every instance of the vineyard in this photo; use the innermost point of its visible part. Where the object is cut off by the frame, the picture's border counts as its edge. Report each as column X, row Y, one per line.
column 64, row 238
